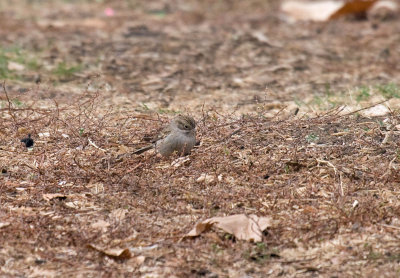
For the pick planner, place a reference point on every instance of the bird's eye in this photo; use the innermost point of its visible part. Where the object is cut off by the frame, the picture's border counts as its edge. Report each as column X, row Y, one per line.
column 186, row 126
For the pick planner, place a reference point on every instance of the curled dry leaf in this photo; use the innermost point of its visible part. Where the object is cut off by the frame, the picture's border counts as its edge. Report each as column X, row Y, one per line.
column 114, row 253
column 324, row 10
column 353, row 7
column 4, row 224
column 240, row 225
column 315, row 11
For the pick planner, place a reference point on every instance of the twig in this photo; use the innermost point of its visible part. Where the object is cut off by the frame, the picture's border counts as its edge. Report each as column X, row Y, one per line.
column 389, row 167
column 365, row 108
column 387, row 137
column 81, row 166
column 231, row 134
column 340, row 185
column 341, row 191
column 329, row 163
column 389, row 226
column 280, row 111
column 9, row 103
column 94, row 145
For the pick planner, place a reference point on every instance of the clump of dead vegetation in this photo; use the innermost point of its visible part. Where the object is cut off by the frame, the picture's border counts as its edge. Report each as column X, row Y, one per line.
column 327, row 181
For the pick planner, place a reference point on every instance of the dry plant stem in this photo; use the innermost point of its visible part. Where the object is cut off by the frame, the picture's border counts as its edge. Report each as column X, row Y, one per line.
column 230, row 123
column 33, row 168
column 389, row 167
column 387, row 137
column 340, row 185
column 81, row 166
column 329, row 163
column 365, row 108
column 279, row 112
column 298, row 261
column 94, row 145
column 236, row 131
column 335, row 111
column 389, row 226
column 9, row 105
column 341, row 191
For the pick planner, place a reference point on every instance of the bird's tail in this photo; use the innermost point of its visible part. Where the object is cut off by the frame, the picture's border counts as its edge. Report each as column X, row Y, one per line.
column 142, row 150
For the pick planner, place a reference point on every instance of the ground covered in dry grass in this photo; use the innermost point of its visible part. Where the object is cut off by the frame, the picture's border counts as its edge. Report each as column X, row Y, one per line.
column 90, row 88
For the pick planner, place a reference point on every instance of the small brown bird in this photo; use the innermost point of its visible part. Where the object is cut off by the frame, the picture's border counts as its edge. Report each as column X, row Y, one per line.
column 179, row 136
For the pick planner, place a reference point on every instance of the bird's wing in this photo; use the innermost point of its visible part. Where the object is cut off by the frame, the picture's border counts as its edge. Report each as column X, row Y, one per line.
column 162, row 134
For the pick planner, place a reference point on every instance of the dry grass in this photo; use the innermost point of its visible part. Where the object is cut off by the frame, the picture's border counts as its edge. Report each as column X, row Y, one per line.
column 327, row 181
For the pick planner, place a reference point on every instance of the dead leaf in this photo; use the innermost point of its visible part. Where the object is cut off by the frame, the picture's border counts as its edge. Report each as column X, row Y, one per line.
column 4, row 224
column 353, row 7
column 240, row 225
column 200, row 227
column 314, row 11
column 325, row 10
column 115, row 253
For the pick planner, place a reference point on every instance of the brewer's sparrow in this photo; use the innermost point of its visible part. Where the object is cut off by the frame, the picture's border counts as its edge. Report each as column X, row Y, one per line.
column 179, row 136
